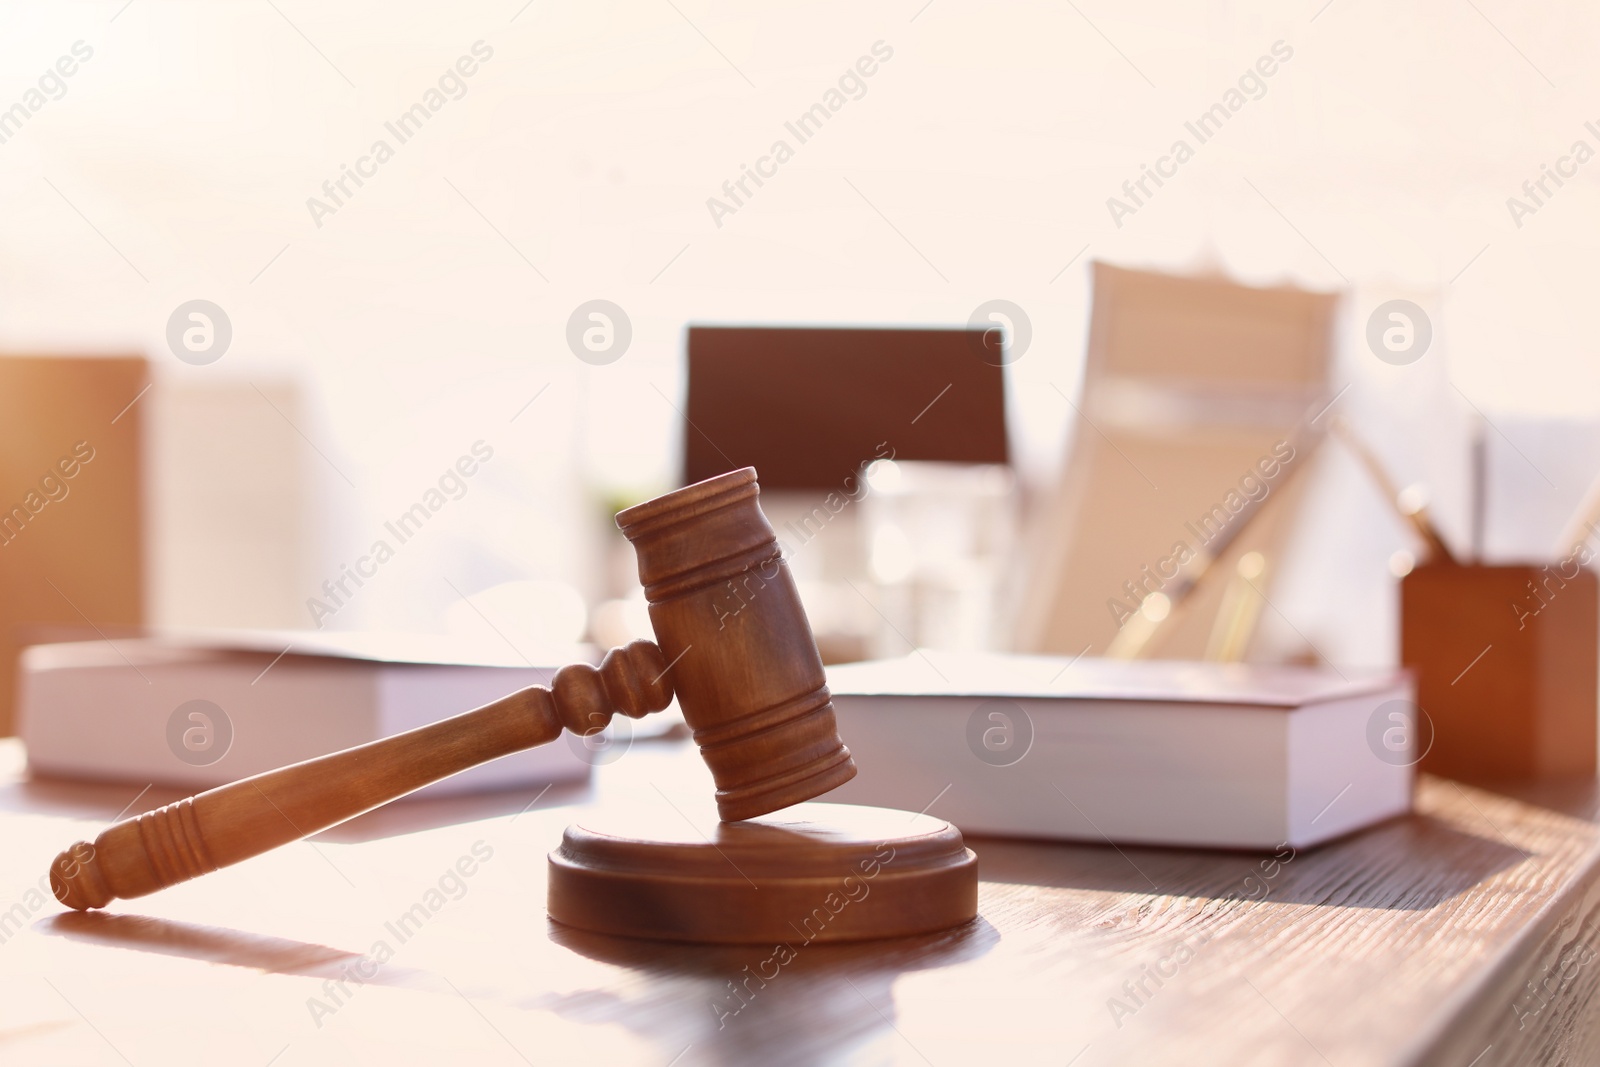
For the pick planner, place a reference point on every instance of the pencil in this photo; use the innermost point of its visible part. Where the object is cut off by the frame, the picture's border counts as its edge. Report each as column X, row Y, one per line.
column 1415, row 517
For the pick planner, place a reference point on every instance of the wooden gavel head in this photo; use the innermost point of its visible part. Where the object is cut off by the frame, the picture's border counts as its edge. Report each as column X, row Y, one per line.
column 741, row 655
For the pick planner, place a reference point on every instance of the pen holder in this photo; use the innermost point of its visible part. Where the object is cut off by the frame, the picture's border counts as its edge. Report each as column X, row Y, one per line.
column 1506, row 660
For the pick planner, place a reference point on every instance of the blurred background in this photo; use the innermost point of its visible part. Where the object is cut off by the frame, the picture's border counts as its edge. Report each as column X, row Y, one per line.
column 376, row 334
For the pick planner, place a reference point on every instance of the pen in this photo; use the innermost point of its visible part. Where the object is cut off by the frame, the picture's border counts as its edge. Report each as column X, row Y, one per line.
column 1413, row 514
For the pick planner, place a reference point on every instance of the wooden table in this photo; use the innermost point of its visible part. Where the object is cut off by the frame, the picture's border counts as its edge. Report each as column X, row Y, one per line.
column 1410, row 944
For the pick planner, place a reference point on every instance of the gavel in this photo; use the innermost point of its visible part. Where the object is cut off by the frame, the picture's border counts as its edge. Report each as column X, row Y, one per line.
column 732, row 642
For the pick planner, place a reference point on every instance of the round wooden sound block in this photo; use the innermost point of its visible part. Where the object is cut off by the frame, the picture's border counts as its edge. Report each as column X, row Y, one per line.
column 812, row 872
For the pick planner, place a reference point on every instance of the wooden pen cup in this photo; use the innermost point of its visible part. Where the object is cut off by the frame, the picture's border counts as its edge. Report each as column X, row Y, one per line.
column 1506, row 659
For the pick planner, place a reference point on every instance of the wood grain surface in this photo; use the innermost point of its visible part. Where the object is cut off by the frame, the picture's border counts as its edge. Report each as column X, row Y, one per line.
column 1412, row 943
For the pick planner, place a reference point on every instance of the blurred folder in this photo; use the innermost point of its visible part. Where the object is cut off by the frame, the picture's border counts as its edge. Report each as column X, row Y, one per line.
column 1191, row 386
column 72, row 507
column 809, row 406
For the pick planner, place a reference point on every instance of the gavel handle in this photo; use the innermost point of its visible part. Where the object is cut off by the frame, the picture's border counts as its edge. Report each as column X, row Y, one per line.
column 234, row 822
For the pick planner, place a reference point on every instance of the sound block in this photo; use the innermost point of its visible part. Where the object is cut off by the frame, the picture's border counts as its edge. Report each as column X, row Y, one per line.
column 812, row 872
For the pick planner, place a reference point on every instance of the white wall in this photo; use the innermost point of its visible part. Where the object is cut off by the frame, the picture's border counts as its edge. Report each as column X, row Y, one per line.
column 987, row 147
